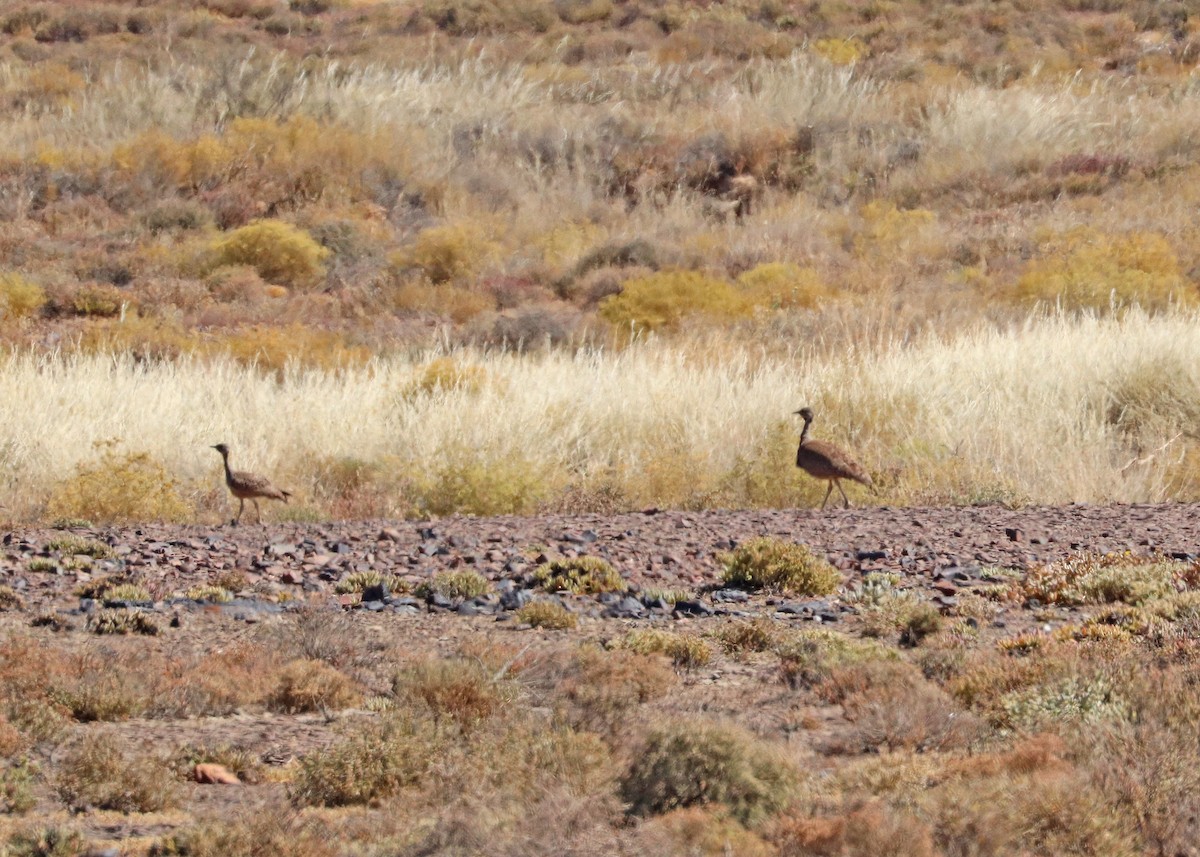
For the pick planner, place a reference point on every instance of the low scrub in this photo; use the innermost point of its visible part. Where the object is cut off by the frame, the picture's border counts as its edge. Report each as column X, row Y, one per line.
column 697, row 762
column 99, row 771
column 373, row 762
column 311, row 685
column 779, row 566
column 581, row 575
column 120, row 489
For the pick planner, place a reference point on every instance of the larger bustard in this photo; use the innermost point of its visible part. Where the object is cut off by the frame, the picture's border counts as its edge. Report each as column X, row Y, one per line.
column 248, row 486
column 823, row 460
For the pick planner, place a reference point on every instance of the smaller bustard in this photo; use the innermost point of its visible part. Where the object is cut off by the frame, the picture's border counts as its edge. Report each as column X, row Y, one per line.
column 823, row 460
column 248, row 486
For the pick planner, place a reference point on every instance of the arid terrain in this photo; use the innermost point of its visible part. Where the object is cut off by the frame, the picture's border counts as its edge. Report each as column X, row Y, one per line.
column 874, row 694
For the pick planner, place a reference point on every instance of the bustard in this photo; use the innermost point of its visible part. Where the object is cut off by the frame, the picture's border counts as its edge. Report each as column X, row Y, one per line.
column 248, row 486
column 823, row 460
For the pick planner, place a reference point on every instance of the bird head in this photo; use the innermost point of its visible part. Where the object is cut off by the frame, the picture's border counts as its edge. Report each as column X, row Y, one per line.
column 805, row 414
column 221, row 448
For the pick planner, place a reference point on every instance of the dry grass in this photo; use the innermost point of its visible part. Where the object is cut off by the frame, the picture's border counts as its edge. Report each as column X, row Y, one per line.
column 939, row 420
column 963, row 233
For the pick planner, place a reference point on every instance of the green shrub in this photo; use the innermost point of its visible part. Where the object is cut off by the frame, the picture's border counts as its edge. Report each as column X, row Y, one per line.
column 454, row 585
column 123, row 622
column 20, row 298
column 686, row 651
column 97, row 772
column 697, row 762
column 209, row 592
column 1085, row 268
column 809, row 657
column 359, row 580
column 71, row 545
column 548, row 615
column 581, row 575
column 779, row 566
column 279, row 251
column 753, row 635
column 1100, row 579
column 125, row 592
column 662, row 300
column 120, row 489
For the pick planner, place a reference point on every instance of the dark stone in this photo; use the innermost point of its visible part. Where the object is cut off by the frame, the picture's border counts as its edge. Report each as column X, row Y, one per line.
column 628, row 607
column 375, row 592
column 515, row 599
column 863, row 556
column 439, row 602
column 691, row 608
column 736, row 596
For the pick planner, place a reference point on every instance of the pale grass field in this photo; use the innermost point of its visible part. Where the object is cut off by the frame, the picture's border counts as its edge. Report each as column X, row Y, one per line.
column 1057, row 410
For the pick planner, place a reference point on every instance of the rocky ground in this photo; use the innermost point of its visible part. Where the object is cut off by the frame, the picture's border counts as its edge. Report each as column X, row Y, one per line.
column 671, row 560
column 939, row 549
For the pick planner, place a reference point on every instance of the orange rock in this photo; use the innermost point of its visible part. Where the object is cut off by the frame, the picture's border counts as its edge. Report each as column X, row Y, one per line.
column 214, row 774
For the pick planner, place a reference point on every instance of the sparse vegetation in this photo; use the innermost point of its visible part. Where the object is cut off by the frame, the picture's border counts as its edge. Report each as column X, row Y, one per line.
column 578, row 256
column 779, row 566
column 581, row 575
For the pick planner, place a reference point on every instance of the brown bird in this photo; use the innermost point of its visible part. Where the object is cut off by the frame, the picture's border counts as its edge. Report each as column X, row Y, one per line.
column 248, row 486
column 825, row 461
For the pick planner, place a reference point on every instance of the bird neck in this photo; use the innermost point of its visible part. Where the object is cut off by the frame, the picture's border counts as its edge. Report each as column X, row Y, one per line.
column 804, row 431
column 225, row 459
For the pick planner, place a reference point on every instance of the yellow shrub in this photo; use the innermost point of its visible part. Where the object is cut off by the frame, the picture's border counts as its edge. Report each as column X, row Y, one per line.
column 1085, row 268
column 280, row 252
column 120, row 488
column 272, row 349
column 840, row 51
column 175, row 163
column 444, row 253
column 19, row 297
column 887, row 229
column 663, row 300
column 453, row 302
column 780, row 285
column 445, row 374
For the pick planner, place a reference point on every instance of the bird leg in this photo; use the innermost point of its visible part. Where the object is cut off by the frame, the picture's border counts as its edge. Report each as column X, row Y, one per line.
column 257, row 510
column 827, row 493
column 241, row 505
column 838, row 483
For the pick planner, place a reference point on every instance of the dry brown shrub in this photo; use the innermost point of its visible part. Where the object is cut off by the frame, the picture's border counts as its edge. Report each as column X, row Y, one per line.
column 275, row 828
column 1045, row 813
column 873, row 829
column 705, row 832
column 101, row 771
column 605, row 688
column 309, row 685
column 458, row 689
column 216, row 683
column 917, row 716
column 1150, row 767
